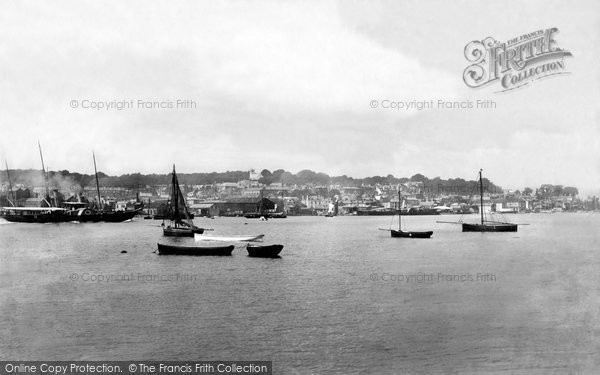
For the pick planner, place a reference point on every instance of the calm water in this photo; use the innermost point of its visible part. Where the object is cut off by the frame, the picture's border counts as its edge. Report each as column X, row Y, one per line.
column 336, row 302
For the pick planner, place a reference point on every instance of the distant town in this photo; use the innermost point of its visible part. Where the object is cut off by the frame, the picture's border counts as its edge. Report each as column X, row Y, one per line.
column 305, row 193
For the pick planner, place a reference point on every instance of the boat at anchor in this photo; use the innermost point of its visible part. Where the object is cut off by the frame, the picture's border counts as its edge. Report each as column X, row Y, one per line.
column 406, row 234
column 181, row 224
column 264, row 251
column 487, row 225
column 173, row 249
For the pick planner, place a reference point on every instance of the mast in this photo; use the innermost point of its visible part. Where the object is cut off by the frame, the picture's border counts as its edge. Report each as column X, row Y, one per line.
column 43, row 168
column 45, row 174
column 260, row 206
column 9, row 185
column 481, row 195
column 399, row 209
column 97, row 184
column 283, row 210
column 175, row 197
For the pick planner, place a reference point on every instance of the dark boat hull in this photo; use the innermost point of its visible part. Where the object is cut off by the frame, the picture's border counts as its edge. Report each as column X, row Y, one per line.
column 109, row 217
column 256, row 215
column 402, row 234
column 278, row 215
column 268, row 251
column 499, row 227
column 182, row 232
column 39, row 219
column 65, row 217
column 164, row 249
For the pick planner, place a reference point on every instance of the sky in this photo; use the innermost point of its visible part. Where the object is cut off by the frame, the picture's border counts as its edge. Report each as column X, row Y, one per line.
column 289, row 84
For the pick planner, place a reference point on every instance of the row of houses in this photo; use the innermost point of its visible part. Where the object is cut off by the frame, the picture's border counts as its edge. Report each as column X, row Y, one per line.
column 244, row 196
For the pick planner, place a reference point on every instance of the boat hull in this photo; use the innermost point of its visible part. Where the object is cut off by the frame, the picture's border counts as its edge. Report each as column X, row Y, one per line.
column 109, row 217
column 268, row 251
column 229, row 238
column 164, row 249
column 499, row 227
column 278, row 215
column 403, row 234
column 255, row 215
column 39, row 219
column 69, row 216
column 182, row 232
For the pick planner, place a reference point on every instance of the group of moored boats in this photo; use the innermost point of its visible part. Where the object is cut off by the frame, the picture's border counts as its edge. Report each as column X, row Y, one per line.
column 483, row 226
column 260, row 251
column 181, row 225
column 73, row 212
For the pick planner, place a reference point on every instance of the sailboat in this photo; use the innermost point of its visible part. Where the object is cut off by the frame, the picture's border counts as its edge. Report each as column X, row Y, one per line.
column 261, row 213
column 99, row 214
column 282, row 214
column 181, row 222
column 406, row 234
column 487, row 225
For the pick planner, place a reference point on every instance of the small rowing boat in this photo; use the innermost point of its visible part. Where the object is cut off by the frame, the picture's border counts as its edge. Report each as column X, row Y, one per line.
column 164, row 249
column 266, row 251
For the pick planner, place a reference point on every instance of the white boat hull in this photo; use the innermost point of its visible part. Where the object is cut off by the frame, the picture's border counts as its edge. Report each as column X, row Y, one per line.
column 249, row 238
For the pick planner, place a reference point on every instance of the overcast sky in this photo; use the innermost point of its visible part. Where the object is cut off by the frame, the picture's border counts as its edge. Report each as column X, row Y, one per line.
column 281, row 84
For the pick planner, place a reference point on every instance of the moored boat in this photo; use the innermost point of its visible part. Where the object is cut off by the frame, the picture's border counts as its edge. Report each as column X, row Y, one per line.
column 411, row 234
column 178, row 213
column 490, row 226
column 172, row 249
column 406, row 234
column 261, row 213
column 181, row 231
column 487, row 225
column 264, row 251
column 277, row 215
column 36, row 215
column 94, row 216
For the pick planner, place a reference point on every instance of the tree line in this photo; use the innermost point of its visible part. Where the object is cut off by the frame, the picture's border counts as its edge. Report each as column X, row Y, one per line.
column 437, row 185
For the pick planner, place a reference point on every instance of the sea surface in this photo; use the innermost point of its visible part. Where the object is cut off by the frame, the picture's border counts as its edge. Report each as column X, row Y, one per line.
column 343, row 298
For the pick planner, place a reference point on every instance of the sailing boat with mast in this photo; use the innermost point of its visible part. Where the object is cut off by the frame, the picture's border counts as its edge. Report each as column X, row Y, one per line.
column 487, row 225
column 282, row 214
column 261, row 213
column 400, row 232
column 181, row 221
column 99, row 213
column 406, row 234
